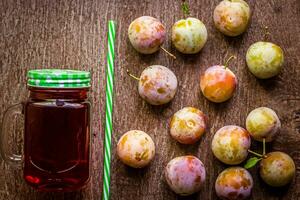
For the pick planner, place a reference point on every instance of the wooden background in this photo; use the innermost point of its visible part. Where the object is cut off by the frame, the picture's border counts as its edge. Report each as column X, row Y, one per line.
column 72, row 34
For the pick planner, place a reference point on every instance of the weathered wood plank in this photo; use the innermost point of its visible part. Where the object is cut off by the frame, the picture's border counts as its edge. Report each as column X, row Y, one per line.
column 72, row 34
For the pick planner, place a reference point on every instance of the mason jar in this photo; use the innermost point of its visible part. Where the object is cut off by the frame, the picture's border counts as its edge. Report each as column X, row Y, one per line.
column 57, row 133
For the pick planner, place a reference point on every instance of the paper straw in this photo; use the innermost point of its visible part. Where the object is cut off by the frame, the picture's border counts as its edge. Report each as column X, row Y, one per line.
column 108, row 109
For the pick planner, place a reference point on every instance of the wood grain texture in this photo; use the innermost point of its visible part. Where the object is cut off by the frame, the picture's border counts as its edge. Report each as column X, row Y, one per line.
column 72, row 34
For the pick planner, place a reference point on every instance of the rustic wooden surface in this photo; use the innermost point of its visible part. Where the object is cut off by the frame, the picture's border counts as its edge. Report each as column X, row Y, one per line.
column 72, row 34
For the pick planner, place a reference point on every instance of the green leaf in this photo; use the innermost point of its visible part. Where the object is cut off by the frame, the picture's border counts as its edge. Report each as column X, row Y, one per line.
column 251, row 162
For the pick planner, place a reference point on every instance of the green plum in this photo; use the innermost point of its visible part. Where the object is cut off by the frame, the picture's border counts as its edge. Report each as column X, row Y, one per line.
column 277, row 169
column 230, row 144
column 264, row 59
column 263, row 123
column 189, row 35
column 188, row 125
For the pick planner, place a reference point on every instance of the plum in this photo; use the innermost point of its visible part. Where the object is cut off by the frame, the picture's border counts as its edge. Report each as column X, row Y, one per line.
column 264, row 59
column 231, row 17
column 234, row 183
column 277, row 169
column 185, row 175
column 136, row 149
column 263, row 123
column 146, row 34
column 188, row 125
column 157, row 85
column 218, row 83
column 189, row 35
column 230, row 144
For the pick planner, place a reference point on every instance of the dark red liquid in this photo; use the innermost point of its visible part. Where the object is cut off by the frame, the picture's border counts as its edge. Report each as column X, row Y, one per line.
column 57, row 142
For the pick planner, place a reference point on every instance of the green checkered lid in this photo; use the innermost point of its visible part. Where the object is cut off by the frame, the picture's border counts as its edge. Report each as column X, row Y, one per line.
column 58, row 78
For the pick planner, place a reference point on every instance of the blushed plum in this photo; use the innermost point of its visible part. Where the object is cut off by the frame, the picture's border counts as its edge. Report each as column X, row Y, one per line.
column 146, row 34
column 136, row 149
column 262, row 123
column 264, row 59
column 231, row 17
column 189, row 35
column 230, row 144
column 185, row 175
column 277, row 169
column 218, row 83
column 157, row 85
column 188, row 125
column 234, row 183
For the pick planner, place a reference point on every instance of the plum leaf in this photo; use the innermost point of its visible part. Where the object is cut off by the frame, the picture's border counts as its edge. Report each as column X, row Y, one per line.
column 251, row 162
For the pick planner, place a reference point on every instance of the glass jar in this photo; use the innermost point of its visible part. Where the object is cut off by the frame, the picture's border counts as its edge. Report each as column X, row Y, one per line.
column 57, row 130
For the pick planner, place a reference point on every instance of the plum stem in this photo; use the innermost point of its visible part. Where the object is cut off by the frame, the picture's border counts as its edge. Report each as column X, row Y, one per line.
column 257, row 154
column 266, row 32
column 168, row 52
column 228, row 60
column 132, row 76
column 264, row 146
column 185, row 8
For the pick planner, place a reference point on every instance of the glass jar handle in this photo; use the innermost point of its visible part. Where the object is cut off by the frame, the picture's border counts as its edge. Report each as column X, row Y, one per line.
column 6, row 130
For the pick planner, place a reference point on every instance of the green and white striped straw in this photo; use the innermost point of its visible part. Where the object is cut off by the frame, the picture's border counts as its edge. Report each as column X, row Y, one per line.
column 108, row 109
